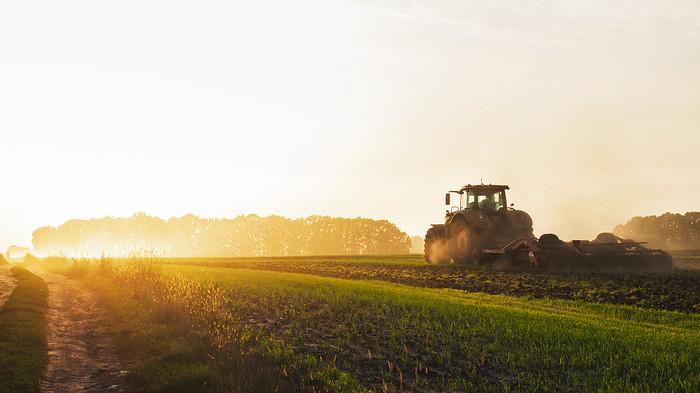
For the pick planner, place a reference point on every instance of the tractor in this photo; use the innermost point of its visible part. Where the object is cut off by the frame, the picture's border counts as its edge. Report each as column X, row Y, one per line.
column 483, row 220
column 484, row 229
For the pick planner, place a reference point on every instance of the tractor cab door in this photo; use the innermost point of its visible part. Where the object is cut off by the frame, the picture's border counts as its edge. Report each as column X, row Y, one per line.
column 468, row 200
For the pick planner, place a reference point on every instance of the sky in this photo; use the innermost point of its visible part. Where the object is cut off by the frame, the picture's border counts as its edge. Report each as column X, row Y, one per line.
column 588, row 110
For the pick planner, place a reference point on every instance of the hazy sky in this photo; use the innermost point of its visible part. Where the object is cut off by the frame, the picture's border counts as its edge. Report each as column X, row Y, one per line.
column 589, row 110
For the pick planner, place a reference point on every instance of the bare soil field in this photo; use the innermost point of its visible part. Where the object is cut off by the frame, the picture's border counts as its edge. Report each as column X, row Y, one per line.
column 80, row 356
column 686, row 259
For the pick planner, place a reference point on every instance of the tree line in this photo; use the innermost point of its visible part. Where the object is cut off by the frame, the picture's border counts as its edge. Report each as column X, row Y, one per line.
column 243, row 236
column 667, row 231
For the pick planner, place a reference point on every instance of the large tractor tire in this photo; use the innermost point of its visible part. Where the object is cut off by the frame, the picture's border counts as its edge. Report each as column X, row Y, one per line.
column 435, row 246
column 465, row 243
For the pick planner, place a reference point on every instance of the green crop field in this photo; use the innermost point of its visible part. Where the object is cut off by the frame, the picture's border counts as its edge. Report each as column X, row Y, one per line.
column 676, row 291
column 394, row 324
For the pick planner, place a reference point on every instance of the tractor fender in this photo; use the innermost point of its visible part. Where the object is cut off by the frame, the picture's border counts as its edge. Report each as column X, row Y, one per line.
column 474, row 218
column 519, row 219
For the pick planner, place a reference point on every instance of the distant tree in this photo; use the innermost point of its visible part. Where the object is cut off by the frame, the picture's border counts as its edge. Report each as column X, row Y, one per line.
column 250, row 235
column 46, row 240
column 17, row 252
column 670, row 231
column 416, row 245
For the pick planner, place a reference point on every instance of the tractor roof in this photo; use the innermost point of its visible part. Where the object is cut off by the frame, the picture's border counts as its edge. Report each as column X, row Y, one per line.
column 485, row 187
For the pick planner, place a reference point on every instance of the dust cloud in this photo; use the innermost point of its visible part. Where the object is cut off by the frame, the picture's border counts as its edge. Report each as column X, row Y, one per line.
column 438, row 251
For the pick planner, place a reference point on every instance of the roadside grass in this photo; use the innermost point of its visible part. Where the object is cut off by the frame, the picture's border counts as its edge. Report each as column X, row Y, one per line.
column 223, row 328
column 170, row 353
column 23, row 347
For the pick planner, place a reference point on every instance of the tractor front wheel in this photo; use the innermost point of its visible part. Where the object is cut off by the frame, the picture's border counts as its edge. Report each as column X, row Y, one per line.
column 435, row 246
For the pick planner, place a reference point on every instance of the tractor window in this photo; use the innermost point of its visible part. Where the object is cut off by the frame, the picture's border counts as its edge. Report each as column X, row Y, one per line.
column 491, row 201
column 468, row 199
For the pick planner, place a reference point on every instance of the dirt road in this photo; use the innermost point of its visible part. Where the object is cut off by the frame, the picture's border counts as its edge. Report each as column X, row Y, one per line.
column 80, row 353
column 7, row 283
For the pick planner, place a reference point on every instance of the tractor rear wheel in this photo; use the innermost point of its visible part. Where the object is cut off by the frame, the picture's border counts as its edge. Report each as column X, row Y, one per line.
column 465, row 243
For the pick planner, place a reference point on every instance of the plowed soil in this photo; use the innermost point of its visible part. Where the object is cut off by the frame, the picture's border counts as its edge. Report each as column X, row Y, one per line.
column 80, row 353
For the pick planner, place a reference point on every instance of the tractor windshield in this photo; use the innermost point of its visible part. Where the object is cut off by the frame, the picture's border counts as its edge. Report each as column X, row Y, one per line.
column 486, row 200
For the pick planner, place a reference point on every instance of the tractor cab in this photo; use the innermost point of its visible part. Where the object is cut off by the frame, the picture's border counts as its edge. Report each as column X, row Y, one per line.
column 487, row 198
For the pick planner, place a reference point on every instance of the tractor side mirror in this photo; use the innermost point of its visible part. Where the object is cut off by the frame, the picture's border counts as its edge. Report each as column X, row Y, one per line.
column 447, row 198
